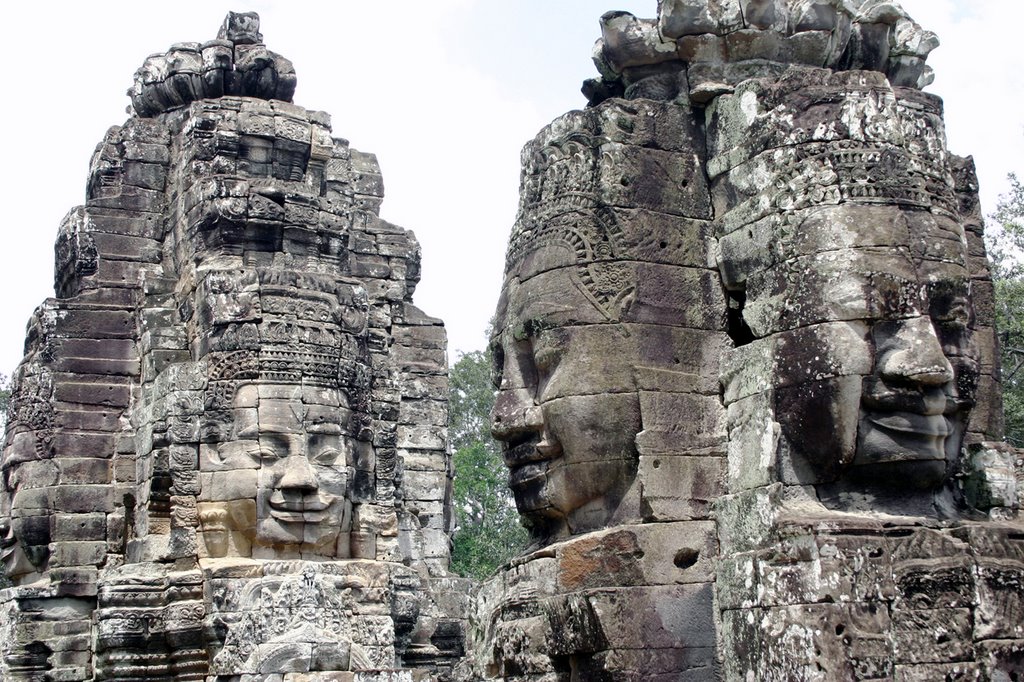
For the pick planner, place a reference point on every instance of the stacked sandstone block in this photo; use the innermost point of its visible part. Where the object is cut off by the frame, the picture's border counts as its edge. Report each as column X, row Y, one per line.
column 229, row 274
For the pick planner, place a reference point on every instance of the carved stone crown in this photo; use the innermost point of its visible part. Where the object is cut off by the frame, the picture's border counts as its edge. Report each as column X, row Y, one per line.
column 236, row 64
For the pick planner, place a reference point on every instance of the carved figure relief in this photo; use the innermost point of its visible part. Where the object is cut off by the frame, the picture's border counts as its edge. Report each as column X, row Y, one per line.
column 296, row 623
column 205, row 463
column 862, row 495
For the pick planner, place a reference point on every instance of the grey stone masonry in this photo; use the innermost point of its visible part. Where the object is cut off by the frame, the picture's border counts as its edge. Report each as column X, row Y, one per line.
column 749, row 394
column 205, row 468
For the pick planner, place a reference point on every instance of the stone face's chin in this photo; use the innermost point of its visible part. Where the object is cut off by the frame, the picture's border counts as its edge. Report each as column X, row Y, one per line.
column 297, row 535
column 14, row 559
column 581, row 494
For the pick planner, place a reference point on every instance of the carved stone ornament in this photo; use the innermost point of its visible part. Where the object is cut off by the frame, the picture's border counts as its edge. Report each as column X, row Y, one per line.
column 227, row 453
column 745, row 361
column 747, row 370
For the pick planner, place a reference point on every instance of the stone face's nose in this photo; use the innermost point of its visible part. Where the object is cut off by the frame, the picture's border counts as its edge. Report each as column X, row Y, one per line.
column 298, row 474
column 515, row 413
column 913, row 355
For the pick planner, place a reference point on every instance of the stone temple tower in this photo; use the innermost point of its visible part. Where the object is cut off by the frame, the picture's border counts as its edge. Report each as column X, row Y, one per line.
column 226, row 454
column 748, row 377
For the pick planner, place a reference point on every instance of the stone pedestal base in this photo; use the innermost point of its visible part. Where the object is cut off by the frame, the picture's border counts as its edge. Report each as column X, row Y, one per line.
column 858, row 597
column 629, row 603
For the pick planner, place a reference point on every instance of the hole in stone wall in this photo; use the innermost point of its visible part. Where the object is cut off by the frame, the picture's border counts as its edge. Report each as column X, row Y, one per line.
column 738, row 330
column 686, row 558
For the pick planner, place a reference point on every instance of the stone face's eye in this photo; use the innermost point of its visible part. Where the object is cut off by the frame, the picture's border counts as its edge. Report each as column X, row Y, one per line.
column 326, row 456
column 949, row 303
column 893, row 297
column 269, row 454
column 273, row 447
column 546, row 354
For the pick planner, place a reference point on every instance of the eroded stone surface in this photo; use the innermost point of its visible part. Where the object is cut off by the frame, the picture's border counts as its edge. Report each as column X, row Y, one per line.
column 838, row 486
column 697, row 50
column 226, row 454
column 747, row 376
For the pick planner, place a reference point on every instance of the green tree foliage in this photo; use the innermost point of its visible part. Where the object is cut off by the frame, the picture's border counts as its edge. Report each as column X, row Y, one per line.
column 488, row 532
column 1006, row 249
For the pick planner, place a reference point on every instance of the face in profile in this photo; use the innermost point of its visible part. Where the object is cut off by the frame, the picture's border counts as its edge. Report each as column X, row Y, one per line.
column 897, row 420
column 567, row 411
column 24, row 507
column 303, row 464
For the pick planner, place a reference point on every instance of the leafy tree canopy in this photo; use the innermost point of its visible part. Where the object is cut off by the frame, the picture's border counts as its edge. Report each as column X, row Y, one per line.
column 489, row 533
column 1006, row 249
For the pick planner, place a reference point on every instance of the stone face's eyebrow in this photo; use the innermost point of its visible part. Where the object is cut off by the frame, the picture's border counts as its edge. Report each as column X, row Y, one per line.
column 530, row 328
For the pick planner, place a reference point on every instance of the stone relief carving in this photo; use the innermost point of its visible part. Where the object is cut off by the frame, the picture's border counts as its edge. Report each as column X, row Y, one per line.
column 227, row 454
column 745, row 361
column 864, row 504
column 303, row 623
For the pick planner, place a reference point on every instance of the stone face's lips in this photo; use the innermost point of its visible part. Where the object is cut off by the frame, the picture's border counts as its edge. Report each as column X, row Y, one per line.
column 524, row 451
column 304, row 510
column 8, row 545
column 892, row 437
column 298, row 517
column 910, row 424
column 527, row 475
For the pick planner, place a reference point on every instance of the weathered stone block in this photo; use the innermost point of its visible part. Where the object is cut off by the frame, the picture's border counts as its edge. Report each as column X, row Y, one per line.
column 677, row 488
column 74, row 553
column 932, row 636
column 679, row 18
column 665, row 434
column 425, row 485
column 83, row 498
column 667, row 182
column 95, row 324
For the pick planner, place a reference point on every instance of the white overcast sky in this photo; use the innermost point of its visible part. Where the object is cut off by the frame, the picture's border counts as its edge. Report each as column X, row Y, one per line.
column 445, row 93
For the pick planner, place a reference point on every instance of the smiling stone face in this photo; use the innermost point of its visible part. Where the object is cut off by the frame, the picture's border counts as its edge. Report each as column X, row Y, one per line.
column 567, row 410
column 302, row 496
column 609, row 326
column 893, row 329
column 291, row 464
column 854, row 269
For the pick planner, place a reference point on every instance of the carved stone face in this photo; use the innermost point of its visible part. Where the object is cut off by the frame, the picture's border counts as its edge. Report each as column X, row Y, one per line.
column 567, row 410
column 299, row 460
column 892, row 326
column 24, row 514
